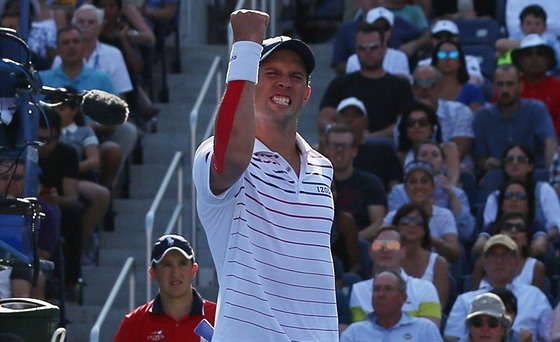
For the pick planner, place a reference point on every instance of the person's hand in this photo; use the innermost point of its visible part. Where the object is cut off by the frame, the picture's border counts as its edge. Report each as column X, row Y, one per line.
column 249, row 25
column 525, row 335
column 443, row 182
column 492, row 163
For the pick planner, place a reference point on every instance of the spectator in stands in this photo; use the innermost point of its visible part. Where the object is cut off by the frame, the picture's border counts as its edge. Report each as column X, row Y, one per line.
column 446, row 195
column 405, row 36
column 446, row 30
column 449, row 58
column 385, row 96
column 59, row 178
column 395, row 62
column 409, row 12
column 358, row 192
column 554, row 178
column 534, row 58
column 12, row 183
column 463, row 9
column 387, row 251
column 42, row 37
column 178, row 307
column 512, row 120
column 75, row 133
column 499, row 260
column 530, row 270
column 72, row 71
column 417, row 124
column 555, row 327
column 125, row 28
column 510, row 303
column 532, row 20
column 455, row 119
column 420, row 262
column 487, row 319
column 352, row 112
column 515, row 196
column 389, row 321
column 159, row 10
column 420, row 187
column 519, row 164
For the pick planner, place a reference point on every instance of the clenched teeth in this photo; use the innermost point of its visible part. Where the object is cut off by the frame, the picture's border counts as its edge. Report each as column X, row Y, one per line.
column 281, row 100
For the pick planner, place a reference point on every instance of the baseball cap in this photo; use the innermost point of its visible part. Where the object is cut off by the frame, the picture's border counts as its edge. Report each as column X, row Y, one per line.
column 380, row 12
column 445, row 26
column 500, row 239
column 168, row 243
column 530, row 41
column 351, row 101
column 487, row 304
column 287, row 43
column 416, row 165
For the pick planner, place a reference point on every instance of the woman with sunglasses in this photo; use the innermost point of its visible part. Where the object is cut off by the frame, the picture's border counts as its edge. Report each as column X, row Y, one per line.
column 487, row 320
column 449, row 58
column 531, row 270
column 418, row 123
column 518, row 164
column 420, row 262
column 446, row 195
column 515, row 196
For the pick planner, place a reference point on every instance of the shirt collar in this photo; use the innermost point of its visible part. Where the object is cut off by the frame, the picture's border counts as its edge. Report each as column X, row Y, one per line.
column 484, row 284
column 405, row 319
column 197, row 307
column 72, row 128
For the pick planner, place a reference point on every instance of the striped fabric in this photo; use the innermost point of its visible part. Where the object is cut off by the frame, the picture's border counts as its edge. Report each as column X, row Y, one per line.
column 270, row 239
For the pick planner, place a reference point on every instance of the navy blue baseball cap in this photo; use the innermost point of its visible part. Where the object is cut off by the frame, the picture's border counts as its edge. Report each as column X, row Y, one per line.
column 168, row 243
column 287, row 43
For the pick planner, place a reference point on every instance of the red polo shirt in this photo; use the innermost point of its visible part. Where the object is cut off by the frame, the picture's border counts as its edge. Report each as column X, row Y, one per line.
column 548, row 91
column 149, row 323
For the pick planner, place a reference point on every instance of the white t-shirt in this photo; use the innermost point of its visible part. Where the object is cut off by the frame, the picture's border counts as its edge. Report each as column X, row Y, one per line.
column 269, row 235
column 395, row 62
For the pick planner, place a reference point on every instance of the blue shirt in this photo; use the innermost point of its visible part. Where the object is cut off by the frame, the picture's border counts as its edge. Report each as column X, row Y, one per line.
column 407, row 329
column 87, row 79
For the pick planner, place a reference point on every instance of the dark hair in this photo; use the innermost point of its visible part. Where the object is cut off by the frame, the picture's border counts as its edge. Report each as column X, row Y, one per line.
column 507, row 67
column 341, row 128
column 65, row 29
column 404, row 142
column 528, row 153
column 530, row 200
column 53, row 119
column 428, row 142
column 534, row 10
column 462, row 73
column 507, row 297
column 402, row 237
column 97, row 3
column 529, row 231
column 368, row 28
column 408, row 208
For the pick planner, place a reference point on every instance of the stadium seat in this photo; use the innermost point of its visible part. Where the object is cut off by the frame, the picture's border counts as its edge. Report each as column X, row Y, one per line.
column 486, row 56
column 478, row 31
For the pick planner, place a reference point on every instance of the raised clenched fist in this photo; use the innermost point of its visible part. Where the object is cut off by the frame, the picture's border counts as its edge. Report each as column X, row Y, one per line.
column 249, row 25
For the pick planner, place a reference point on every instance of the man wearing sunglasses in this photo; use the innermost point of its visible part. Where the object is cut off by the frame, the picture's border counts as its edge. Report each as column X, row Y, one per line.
column 387, row 252
column 512, row 120
column 500, row 261
column 534, row 57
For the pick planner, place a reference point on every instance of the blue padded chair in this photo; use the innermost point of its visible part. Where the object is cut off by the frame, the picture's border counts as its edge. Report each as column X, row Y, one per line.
column 478, row 31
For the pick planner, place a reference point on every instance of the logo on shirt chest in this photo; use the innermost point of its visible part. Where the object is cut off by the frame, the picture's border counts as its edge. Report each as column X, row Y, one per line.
column 157, row 335
column 323, row 189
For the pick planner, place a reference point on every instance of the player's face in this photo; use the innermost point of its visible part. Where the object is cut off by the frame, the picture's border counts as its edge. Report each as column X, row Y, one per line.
column 282, row 87
column 174, row 275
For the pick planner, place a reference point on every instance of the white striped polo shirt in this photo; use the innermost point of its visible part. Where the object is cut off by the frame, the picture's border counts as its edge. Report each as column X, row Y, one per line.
column 269, row 235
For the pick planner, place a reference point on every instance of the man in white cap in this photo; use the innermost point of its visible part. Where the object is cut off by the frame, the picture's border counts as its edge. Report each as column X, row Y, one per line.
column 447, row 30
column 500, row 261
column 178, row 308
column 534, row 57
column 487, row 320
column 395, row 61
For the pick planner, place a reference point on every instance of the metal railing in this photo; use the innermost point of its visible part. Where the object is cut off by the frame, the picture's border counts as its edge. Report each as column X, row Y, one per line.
column 216, row 73
column 129, row 269
column 177, row 216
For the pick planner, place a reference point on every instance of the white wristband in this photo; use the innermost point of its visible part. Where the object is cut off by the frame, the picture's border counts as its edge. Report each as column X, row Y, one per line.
column 244, row 62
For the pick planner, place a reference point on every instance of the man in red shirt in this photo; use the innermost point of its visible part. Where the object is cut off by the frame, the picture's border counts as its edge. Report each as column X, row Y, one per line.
column 534, row 58
column 178, row 308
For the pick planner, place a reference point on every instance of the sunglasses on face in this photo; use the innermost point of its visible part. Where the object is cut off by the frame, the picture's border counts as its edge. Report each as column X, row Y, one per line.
column 453, row 54
column 491, row 322
column 391, row 245
column 516, row 159
column 515, row 196
column 422, row 122
column 520, row 227
column 371, row 46
column 409, row 220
